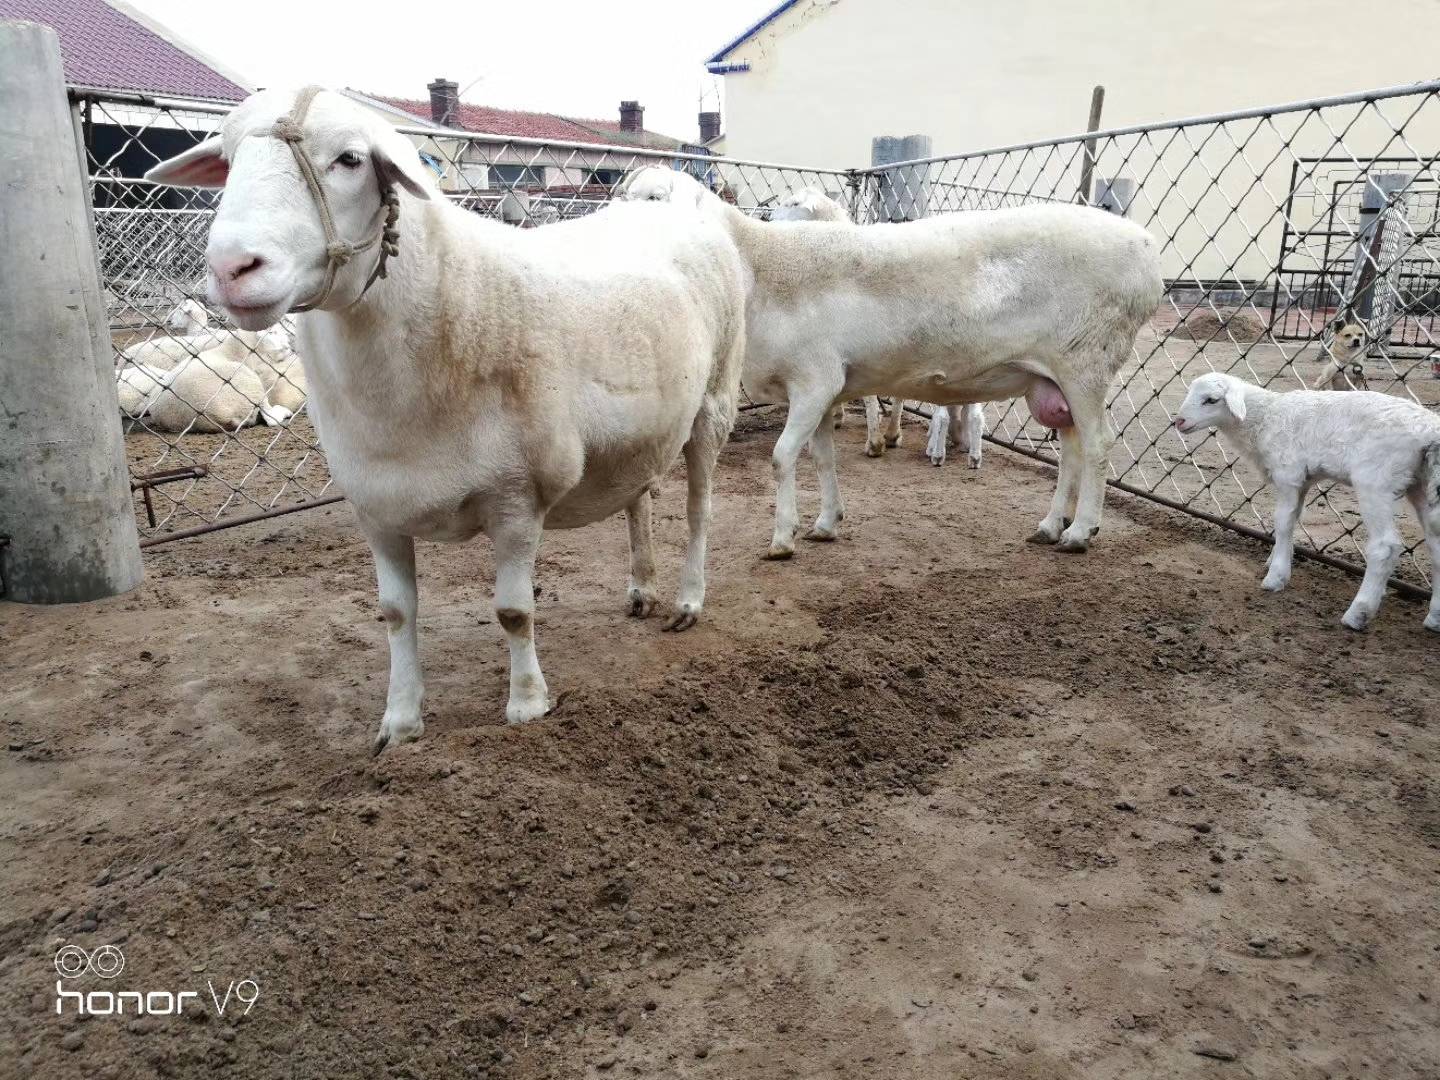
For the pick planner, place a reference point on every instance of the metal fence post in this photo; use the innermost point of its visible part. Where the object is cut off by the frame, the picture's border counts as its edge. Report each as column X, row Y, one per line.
column 65, row 502
column 904, row 194
column 1087, row 163
column 1376, row 247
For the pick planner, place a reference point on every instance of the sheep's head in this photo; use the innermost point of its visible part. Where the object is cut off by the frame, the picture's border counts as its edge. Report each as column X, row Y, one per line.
column 268, row 251
column 1215, row 400
column 808, row 204
column 657, row 184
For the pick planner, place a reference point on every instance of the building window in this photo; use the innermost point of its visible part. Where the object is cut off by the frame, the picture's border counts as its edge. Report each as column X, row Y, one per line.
column 517, row 176
column 608, row 177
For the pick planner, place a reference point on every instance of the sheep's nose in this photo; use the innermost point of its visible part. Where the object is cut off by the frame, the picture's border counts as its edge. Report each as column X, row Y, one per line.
column 232, row 267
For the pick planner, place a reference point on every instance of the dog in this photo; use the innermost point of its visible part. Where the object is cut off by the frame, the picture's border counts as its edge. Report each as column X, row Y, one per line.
column 1344, row 359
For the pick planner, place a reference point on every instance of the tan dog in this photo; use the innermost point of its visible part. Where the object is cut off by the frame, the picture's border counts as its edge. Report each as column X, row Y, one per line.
column 1344, row 360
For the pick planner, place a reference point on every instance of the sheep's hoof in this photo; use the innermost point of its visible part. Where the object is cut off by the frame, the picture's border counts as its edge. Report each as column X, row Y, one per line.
column 523, row 711
column 874, row 450
column 821, row 535
column 776, row 554
column 1040, row 536
column 974, row 463
column 685, row 616
column 1356, row 620
column 937, row 461
column 1074, row 545
column 642, row 603
column 1274, row 584
column 892, row 441
column 1433, row 622
column 393, row 732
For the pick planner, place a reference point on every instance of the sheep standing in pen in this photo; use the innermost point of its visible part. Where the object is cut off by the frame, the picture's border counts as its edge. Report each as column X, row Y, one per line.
column 1382, row 446
column 949, row 426
column 466, row 377
column 1039, row 301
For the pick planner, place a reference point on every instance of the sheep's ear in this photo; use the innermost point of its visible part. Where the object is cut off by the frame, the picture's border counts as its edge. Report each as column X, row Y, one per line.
column 1235, row 399
column 203, row 165
column 398, row 162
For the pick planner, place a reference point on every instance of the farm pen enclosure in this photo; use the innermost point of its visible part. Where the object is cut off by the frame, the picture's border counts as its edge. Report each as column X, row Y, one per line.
column 926, row 802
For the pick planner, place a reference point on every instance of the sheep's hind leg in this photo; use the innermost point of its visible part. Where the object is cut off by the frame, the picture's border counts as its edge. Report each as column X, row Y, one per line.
column 707, row 436
column 399, row 602
column 1430, row 523
column 1063, row 502
column 807, row 410
column 1382, row 552
column 972, row 424
column 942, row 435
column 874, row 441
column 517, row 539
column 640, row 593
column 832, row 505
column 892, row 421
column 1093, row 441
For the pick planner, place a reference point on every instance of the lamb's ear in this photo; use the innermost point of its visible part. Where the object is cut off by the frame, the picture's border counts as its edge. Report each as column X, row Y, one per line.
column 1235, row 399
column 202, row 165
column 398, row 162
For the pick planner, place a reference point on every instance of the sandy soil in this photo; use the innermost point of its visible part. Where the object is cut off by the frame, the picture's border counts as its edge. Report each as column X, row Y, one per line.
column 927, row 802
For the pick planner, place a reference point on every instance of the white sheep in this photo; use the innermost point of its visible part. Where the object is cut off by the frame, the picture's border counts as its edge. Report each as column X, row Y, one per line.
column 1382, row 446
column 187, row 317
column 205, row 393
column 956, row 425
column 1039, row 301
column 494, row 380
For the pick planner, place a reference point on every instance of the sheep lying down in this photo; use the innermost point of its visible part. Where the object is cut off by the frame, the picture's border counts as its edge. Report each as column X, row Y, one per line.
column 202, row 393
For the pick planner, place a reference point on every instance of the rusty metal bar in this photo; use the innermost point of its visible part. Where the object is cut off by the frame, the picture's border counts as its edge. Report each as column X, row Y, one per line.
column 228, row 522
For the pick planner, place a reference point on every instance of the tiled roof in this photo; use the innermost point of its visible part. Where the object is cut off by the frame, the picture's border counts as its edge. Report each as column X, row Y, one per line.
column 103, row 45
column 535, row 125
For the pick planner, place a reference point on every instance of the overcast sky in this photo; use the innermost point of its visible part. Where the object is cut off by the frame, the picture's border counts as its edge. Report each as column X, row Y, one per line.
column 578, row 58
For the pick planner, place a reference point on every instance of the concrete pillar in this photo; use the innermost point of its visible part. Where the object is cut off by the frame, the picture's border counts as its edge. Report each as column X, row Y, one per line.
column 65, row 501
column 902, row 194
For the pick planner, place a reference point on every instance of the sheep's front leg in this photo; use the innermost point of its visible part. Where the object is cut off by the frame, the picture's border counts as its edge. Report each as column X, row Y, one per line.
column 940, row 435
column 639, row 520
column 707, row 435
column 1093, row 441
column 874, row 441
column 892, row 422
column 807, row 408
column 399, row 601
column 1382, row 552
column 1062, row 504
column 832, row 505
column 1288, row 500
column 516, row 543
column 972, row 431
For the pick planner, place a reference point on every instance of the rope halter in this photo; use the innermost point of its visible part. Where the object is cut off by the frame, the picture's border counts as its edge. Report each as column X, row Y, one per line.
column 289, row 129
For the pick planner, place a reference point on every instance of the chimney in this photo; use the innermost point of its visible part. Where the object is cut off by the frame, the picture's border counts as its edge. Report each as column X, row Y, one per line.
column 632, row 116
column 709, row 127
column 445, row 102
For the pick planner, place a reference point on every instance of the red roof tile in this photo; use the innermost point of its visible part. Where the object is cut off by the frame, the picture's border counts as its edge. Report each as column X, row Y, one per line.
column 534, row 125
column 102, row 46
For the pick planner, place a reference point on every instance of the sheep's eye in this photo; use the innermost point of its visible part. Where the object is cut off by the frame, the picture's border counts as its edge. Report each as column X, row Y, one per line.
column 1211, row 401
column 349, row 159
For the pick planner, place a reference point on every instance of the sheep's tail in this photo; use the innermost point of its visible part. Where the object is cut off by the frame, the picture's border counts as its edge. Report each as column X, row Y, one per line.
column 1430, row 477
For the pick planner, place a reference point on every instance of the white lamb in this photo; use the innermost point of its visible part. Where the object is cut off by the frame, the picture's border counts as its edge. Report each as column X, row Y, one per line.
column 492, row 380
column 1039, row 301
column 187, row 317
column 204, row 393
column 1382, row 446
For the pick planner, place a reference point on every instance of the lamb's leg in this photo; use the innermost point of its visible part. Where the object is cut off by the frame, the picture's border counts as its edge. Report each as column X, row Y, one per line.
column 517, row 540
column 874, row 442
column 808, row 406
column 1382, row 552
column 837, row 414
column 892, row 422
column 973, row 422
column 1288, row 500
column 1093, row 440
column 1063, row 502
column 399, row 600
column 832, row 505
column 639, row 521
column 707, row 435
column 940, row 435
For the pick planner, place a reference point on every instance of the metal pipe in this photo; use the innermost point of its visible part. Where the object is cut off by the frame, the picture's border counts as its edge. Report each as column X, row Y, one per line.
column 225, row 523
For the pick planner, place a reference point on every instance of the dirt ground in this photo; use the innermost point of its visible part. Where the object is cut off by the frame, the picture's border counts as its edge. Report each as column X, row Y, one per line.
column 927, row 802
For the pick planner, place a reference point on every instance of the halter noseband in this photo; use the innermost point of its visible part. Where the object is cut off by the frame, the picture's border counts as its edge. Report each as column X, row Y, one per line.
column 289, row 129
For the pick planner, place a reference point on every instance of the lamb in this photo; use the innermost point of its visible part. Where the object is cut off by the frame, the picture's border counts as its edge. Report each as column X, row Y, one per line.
column 1039, row 301
column 187, row 317
column 1345, row 356
column 1382, row 446
column 470, row 378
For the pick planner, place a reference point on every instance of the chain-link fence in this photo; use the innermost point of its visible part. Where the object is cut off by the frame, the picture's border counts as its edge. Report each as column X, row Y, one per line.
column 1277, row 226
column 217, row 430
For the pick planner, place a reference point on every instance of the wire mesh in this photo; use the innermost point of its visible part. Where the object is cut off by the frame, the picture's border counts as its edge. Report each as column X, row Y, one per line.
column 216, row 420
column 1277, row 226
